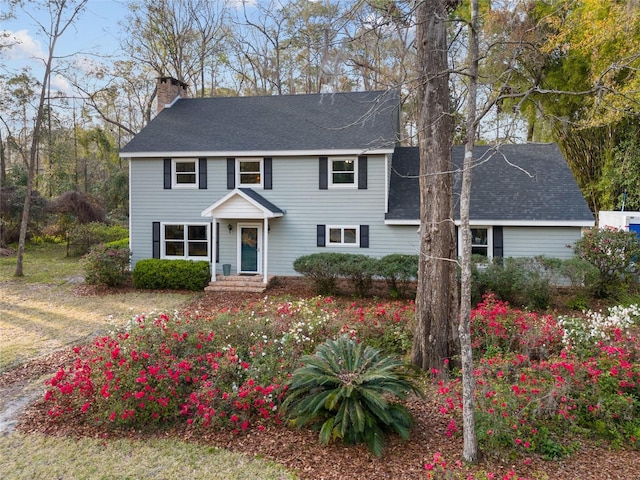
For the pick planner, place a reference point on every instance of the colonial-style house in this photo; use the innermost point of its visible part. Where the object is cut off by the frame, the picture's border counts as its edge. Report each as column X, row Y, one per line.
column 252, row 183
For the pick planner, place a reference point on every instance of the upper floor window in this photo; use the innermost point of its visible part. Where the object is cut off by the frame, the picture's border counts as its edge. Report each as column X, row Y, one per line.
column 249, row 172
column 188, row 241
column 185, row 173
column 342, row 172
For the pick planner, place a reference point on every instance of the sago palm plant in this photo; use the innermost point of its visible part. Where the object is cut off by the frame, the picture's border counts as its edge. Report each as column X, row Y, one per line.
column 347, row 390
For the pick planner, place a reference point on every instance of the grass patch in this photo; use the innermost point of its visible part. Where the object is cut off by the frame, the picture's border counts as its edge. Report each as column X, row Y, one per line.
column 33, row 456
column 40, row 313
column 47, row 263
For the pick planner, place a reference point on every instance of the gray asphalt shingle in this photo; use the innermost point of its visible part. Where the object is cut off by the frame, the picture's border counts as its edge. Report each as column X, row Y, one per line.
column 356, row 120
column 528, row 182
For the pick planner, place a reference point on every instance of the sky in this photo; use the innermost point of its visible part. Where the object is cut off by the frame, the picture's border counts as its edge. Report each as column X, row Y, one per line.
column 95, row 31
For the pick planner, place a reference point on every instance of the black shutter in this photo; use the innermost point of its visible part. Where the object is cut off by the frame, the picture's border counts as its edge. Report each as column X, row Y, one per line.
column 362, row 173
column 156, row 239
column 231, row 173
column 268, row 176
column 202, row 173
column 167, row 173
column 498, row 250
column 320, row 234
column 364, row 236
column 324, row 173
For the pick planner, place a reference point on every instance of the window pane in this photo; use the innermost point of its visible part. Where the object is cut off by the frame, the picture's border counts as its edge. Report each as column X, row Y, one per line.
column 343, row 178
column 197, row 232
column 174, row 249
column 250, row 178
column 186, row 178
column 185, row 167
column 479, row 236
column 349, row 235
column 343, row 166
column 251, row 167
column 198, row 249
column 173, row 232
column 335, row 235
column 480, row 251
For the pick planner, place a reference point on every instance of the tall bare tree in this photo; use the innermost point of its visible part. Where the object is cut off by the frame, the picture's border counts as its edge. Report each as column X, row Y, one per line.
column 437, row 297
column 62, row 14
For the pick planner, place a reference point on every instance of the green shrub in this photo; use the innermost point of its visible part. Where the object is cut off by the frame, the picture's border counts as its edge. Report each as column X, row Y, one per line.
column 156, row 273
column 359, row 270
column 579, row 272
column 519, row 281
column 82, row 237
column 613, row 253
column 322, row 269
column 345, row 388
column 399, row 271
column 105, row 265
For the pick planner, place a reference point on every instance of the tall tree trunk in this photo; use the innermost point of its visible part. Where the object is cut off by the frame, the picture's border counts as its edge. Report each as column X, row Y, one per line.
column 437, row 296
column 470, row 440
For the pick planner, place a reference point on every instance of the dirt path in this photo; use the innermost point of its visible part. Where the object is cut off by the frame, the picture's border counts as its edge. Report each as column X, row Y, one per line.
column 22, row 386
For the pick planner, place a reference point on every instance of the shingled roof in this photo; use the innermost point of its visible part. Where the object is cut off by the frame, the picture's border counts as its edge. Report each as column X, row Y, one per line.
column 511, row 185
column 332, row 122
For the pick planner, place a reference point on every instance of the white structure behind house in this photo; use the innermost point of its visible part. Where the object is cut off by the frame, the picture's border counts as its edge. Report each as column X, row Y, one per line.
column 628, row 221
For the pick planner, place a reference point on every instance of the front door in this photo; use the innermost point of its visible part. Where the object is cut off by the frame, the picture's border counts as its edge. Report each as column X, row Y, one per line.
column 249, row 248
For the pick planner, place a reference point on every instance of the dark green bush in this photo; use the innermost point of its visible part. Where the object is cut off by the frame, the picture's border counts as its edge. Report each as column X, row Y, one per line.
column 359, row 271
column 519, row 281
column 322, row 269
column 82, row 237
column 346, row 389
column 156, row 273
column 399, row 271
column 105, row 265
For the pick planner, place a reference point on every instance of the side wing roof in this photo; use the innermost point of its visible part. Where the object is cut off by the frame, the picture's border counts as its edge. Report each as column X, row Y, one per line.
column 511, row 185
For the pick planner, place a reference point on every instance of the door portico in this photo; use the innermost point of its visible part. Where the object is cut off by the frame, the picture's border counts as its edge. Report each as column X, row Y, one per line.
column 251, row 213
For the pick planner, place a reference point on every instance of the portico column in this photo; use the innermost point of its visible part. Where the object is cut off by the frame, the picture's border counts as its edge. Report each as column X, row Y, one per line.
column 214, row 248
column 265, row 255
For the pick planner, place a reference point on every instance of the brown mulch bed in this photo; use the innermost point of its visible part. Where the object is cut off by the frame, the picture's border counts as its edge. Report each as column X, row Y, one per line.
column 299, row 449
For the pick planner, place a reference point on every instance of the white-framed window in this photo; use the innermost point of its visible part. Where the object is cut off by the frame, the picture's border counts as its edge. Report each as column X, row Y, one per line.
column 185, row 240
column 343, row 172
column 343, row 236
column 249, row 172
column 481, row 241
column 184, row 173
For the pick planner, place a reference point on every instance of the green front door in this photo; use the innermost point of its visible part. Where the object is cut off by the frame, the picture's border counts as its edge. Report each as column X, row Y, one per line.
column 249, row 249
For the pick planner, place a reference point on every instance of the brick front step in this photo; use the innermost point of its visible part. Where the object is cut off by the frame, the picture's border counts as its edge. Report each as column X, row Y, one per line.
column 237, row 283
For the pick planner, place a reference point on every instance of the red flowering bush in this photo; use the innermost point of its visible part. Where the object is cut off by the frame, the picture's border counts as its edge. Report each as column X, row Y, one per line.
column 532, row 403
column 161, row 371
column 498, row 328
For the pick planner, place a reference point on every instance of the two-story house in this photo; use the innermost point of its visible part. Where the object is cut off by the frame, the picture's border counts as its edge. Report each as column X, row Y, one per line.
column 256, row 182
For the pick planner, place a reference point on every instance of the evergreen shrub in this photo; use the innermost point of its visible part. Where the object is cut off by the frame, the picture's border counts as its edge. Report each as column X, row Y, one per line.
column 154, row 273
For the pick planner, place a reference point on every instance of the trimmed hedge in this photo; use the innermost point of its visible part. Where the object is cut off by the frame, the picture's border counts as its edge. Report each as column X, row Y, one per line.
column 399, row 271
column 325, row 269
column 153, row 273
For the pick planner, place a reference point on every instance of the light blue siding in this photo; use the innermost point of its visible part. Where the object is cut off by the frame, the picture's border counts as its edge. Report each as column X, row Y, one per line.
column 295, row 190
column 556, row 242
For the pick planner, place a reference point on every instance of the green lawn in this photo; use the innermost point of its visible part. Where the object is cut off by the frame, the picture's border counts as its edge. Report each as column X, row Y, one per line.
column 40, row 313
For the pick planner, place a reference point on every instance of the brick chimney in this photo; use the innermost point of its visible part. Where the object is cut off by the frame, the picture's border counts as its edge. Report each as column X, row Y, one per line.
column 168, row 90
